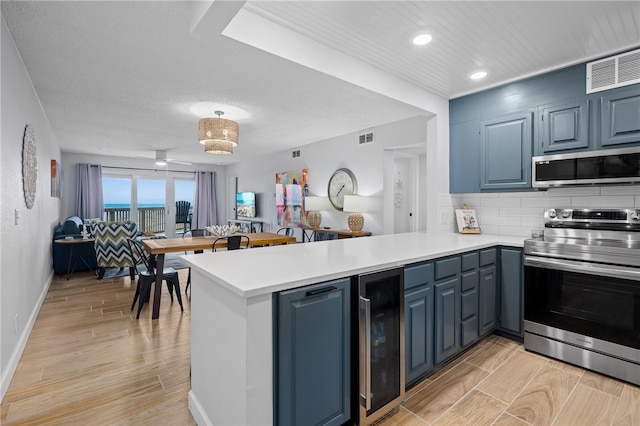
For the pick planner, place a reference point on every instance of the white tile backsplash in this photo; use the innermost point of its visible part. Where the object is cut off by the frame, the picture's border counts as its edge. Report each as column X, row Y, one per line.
column 517, row 213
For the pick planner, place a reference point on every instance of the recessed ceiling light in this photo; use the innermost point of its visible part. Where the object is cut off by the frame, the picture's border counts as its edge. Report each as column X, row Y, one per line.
column 422, row 39
column 478, row 75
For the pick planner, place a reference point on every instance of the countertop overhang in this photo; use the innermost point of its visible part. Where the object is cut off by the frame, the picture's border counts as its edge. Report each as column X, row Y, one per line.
column 264, row 270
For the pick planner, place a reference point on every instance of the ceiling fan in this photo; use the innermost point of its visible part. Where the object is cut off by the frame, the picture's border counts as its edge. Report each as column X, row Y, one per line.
column 163, row 160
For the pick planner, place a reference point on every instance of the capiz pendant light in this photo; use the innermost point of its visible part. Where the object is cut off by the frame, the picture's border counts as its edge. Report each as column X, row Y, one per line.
column 218, row 135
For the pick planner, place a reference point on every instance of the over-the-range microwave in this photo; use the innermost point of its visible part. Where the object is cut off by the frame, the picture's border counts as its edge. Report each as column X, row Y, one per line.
column 608, row 166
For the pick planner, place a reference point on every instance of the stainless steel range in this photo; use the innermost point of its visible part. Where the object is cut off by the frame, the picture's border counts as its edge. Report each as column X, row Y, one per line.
column 582, row 290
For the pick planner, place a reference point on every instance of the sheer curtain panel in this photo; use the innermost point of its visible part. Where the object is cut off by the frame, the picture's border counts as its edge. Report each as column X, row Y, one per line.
column 205, row 203
column 89, row 202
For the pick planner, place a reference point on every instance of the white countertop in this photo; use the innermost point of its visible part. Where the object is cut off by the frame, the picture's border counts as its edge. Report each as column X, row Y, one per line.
column 259, row 271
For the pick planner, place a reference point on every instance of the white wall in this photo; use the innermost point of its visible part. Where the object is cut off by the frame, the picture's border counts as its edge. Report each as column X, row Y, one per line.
column 139, row 167
column 322, row 159
column 25, row 247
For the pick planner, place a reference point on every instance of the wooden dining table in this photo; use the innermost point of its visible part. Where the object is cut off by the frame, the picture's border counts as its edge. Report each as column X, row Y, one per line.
column 158, row 247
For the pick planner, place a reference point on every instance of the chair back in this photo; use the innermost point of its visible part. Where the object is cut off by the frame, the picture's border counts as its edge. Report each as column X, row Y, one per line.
column 182, row 211
column 140, row 256
column 288, row 231
column 234, row 242
column 112, row 249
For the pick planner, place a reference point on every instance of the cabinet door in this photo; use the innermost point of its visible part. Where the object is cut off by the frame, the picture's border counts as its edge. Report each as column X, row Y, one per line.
column 447, row 312
column 505, row 152
column 314, row 354
column 419, row 332
column 620, row 120
column 464, row 155
column 565, row 127
column 469, row 307
column 487, row 292
column 511, row 314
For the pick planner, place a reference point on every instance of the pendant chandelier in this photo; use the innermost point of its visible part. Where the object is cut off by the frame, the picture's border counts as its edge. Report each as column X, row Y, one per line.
column 218, row 135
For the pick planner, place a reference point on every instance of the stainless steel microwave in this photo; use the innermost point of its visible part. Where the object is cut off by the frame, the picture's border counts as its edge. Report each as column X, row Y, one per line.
column 609, row 166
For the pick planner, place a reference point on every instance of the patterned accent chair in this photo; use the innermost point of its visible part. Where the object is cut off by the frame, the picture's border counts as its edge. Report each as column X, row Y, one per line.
column 112, row 247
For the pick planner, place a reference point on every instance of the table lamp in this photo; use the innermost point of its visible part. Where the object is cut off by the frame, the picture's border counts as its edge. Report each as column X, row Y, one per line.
column 313, row 205
column 356, row 204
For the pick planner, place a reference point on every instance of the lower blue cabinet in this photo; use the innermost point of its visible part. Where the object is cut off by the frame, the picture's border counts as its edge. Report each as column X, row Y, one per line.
column 510, row 293
column 487, row 292
column 418, row 310
column 447, row 311
column 313, row 371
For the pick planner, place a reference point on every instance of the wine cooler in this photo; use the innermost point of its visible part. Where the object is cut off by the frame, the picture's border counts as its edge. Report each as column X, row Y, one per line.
column 381, row 344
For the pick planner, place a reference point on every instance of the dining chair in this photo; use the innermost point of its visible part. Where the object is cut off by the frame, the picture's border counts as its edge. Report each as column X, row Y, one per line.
column 234, row 242
column 287, row 230
column 147, row 276
column 193, row 233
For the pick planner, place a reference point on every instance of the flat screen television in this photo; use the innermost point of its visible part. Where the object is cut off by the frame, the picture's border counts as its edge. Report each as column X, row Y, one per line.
column 246, row 204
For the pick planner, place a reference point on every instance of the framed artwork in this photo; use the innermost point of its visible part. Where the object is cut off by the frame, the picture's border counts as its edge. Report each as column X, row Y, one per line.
column 467, row 221
column 56, row 179
column 290, row 190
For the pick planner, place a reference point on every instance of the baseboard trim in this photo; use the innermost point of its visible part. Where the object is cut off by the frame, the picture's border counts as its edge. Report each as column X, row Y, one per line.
column 197, row 411
column 12, row 365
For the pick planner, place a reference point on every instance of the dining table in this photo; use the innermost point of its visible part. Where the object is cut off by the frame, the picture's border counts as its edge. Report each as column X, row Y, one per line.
column 158, row 247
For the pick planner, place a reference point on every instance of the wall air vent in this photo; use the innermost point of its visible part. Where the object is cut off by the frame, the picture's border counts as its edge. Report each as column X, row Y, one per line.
column 295, row 154
column 615, row 71
column 365, row 138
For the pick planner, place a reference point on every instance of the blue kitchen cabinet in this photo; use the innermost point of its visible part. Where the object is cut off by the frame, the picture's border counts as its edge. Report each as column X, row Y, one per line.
column 505, row 152
column 469, row 299
column 446, row 307
column 565, row 126
column 464, row 157
column 419, row 320
column 313, row 355
column 487, row 287
column 620, row 117
column 510, row 292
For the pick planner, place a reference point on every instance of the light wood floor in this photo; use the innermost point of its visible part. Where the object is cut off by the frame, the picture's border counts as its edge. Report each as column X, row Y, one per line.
column 88, row 361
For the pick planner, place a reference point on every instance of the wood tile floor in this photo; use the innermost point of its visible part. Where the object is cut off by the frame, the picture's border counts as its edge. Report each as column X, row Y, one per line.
column 88, row 361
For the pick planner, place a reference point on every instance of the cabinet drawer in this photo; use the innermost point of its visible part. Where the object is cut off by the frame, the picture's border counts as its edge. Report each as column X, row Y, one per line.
column 469, row 305
column 419, row 274
column 447, row 267
column 470, row 261
column 469, row 280
column 487, row 257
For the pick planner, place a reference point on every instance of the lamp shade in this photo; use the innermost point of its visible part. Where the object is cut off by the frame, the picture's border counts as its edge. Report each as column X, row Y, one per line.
column 316, row 203
column 356, row 203
column 218, row 135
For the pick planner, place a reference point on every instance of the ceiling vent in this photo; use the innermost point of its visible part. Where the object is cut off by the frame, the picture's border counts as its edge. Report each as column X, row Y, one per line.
column 615, row 71
column 365, row 138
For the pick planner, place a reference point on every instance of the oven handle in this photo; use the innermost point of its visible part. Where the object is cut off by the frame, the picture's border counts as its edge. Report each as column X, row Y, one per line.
column 588, row 268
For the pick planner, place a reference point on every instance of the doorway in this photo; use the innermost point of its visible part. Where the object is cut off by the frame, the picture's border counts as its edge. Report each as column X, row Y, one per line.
column 404, row 191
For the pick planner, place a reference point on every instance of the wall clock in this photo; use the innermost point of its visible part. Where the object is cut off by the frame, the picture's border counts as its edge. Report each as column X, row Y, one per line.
column 29, row 166
column 342, row 182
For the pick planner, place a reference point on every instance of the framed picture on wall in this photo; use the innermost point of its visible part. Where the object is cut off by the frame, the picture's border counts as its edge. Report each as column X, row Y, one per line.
column 56, row 179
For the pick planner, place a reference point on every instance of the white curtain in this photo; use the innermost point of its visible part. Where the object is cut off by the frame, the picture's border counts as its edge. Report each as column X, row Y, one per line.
column 89, row 200
column 205, row 202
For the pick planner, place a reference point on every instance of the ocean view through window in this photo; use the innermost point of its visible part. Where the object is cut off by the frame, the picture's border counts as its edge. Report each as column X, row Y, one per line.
column 144, row 200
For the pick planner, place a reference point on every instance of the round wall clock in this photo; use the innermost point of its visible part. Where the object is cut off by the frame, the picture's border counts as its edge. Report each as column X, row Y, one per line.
column 29, row 166
column 342, row 182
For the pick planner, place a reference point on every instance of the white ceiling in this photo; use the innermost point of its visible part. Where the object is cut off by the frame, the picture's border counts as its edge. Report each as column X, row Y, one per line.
column 118, row 78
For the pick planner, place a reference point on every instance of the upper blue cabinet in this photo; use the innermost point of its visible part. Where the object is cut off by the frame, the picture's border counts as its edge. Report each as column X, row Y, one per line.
column 620, row 117
column 565, row 126
column 494, row 133
column 505, row 152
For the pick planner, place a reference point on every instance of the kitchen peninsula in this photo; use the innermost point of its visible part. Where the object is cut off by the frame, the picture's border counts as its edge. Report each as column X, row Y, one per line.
column 231, row 306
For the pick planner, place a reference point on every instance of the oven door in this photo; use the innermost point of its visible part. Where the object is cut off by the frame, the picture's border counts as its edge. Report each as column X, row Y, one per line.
column 587, row 299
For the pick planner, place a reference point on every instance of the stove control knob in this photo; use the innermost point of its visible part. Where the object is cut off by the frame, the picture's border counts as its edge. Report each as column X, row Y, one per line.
column 635, row 216
column 552, row 214
column 566, row 214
